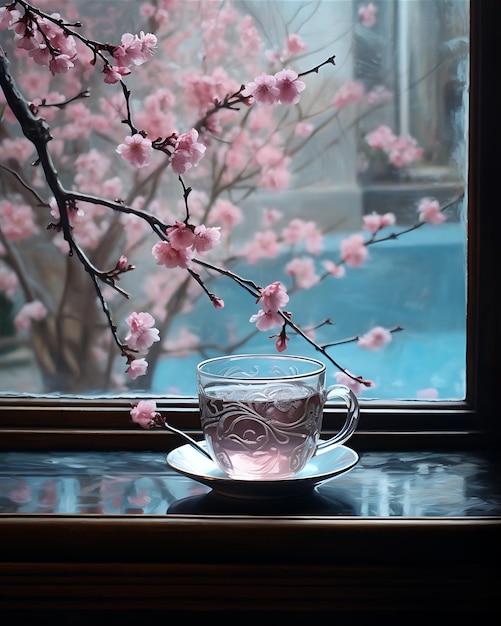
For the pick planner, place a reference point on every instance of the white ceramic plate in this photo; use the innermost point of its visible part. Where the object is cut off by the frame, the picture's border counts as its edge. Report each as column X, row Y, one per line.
column 187, row 461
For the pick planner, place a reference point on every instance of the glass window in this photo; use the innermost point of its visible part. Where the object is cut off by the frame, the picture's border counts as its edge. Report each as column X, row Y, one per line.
column 353, row 198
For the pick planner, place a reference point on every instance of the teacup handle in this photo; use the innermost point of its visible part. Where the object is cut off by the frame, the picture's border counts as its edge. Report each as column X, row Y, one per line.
column 351, row 422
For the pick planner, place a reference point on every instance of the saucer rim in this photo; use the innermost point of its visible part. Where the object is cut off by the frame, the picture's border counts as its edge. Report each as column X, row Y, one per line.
column 301, row 483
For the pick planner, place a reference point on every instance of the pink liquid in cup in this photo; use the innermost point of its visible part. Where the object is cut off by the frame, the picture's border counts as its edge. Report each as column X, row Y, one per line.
column 265, row 433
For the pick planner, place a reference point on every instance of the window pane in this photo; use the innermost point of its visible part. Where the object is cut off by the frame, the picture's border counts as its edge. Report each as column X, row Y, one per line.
column 381, row 135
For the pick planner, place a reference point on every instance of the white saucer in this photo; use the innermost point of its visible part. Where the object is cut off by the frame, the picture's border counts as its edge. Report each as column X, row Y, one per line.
column 187, row 461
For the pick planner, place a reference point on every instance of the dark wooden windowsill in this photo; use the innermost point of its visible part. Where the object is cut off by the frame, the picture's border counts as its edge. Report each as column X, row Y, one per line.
column 404, row 530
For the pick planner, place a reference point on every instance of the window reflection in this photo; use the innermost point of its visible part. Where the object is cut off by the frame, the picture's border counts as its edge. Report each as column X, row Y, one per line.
column 382, row 484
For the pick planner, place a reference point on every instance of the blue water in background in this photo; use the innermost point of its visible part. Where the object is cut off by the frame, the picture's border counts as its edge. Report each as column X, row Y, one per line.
column 416, row 282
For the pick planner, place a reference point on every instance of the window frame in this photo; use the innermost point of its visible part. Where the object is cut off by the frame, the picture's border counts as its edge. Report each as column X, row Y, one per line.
column 105, row 424
column 53, row 566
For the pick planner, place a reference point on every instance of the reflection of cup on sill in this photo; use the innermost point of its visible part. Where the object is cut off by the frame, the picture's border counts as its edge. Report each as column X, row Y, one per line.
column 261, row 415
column 314, row 503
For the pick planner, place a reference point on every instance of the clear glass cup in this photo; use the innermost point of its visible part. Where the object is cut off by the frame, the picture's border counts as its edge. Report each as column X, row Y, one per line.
column 261, row 415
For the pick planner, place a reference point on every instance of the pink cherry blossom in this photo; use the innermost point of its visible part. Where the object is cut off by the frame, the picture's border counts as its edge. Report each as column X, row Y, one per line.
column 142, row 334
column 349, row 93
column 31, row 311
column 379, row 95
column 263, row 89
column 157, row 112
column 187, row 152
column 217, row 302
column 249, row 35
column 144, row 413
column 372, row 223
column 266, row 320
column 264, row 245
column 303, row 271
column 429, row 211
column 180, row 235
column 270, row 216
column 226, row 213
column 61, row 63
column 205, row 238
column 20, row 149
column 148, row 44
column 123, row 263
column 294, row 44
column 314, row 238
column 281, row 342
column 114, row 73
column 375, row 221
column 404, row 151
column 274, row 296
column 289, row 86
column 75, row 215
column 300, row 231
column 136, row 368
column 9, row 282
column 64, row 43
column 367, row 15
column 170, row 257
column 354, row 251
column 39, row 52
column 337, row 271
column 356, row 386
column 8, row 17
column 375, row 339
column 136, row 149
column 275, row 177
column 17, row 220
column 401, row 151
column 303, row 129
column 135, row 50
column 382, row 138
column 29, row 39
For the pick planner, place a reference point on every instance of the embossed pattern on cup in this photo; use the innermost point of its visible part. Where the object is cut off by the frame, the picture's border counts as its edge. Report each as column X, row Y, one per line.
column 262, row 415
column 270, row 433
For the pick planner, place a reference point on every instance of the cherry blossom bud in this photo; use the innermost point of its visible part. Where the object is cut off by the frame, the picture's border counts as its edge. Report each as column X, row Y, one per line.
column 217, row 302
column 122, row 264
column 281, row 342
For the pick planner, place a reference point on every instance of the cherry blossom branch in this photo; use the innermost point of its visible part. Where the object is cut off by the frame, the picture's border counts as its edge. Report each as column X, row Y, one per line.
column 283, row 87
column 67, row 28
column 37, row 131
column 316, row 69
column 23, row 183
column 60, row 105
column 340, row 342
column 394, row 235
column 374, row 239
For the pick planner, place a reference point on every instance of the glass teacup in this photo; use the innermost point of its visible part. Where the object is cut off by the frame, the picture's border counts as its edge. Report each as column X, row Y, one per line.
column 261, row 415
